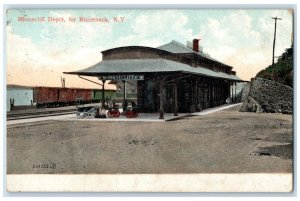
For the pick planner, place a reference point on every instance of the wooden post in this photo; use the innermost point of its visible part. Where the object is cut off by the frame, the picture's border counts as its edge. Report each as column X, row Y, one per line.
column 196, row 95
column 234, row 91
column 225, row 92
column 274, row 18
column 203, row 94
column 233, row 88
column 175, row 100
column 124, row 90
column 161, row 105
column 210, row 94
column 213, row 94
column 231, row 92
column 103, row 95
column 12, row 103
column 124, row 104
column 218, row 92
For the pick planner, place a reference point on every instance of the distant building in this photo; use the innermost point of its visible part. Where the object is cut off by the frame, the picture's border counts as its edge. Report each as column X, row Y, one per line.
column 17, row 96
column 171, row 78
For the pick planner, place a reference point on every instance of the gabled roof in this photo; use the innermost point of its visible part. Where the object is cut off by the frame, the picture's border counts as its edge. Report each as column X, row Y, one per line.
column 177, row 48
column 118, row 66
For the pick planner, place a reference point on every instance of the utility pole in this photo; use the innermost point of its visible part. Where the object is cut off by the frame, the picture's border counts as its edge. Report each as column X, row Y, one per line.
column 274, row 18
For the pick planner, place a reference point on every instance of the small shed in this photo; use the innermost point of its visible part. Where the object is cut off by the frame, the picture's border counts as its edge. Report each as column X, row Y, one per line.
column 17, row 96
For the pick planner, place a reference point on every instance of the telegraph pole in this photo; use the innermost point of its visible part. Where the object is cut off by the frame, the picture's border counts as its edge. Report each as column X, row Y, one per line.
column 274, row 18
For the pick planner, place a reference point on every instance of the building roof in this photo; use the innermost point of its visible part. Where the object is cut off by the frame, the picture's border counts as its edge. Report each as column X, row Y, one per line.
column 18, row 86
column 148, row 66
column 177, row 48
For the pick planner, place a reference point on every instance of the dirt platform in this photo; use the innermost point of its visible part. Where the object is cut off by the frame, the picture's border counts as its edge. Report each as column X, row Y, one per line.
column 223, row 142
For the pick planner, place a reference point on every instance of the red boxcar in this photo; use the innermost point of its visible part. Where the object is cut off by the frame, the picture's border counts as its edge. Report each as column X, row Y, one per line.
column 66, row 95
column 55, row 96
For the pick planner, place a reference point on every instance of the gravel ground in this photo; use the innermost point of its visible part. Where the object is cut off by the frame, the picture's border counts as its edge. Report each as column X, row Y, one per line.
column 223, row 142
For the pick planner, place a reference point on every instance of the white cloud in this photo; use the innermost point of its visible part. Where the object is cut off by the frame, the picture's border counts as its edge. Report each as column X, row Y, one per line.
column 234, row 39
column 237, row 41
column 154, row 28
column 73, row 35
column 169, row 24
column 34, row 65
column 63, row 47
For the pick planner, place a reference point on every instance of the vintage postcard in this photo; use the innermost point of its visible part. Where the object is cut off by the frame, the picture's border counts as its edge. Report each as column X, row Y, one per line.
column 149, row 100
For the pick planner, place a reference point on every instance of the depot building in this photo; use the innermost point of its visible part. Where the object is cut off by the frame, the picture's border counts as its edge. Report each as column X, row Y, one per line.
column 171, row 78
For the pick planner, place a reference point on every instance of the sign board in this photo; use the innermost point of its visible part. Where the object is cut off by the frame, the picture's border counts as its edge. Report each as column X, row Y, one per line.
column 122, row 77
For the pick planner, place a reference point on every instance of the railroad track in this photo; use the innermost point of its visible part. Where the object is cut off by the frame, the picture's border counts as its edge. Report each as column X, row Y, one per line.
column 38, row 114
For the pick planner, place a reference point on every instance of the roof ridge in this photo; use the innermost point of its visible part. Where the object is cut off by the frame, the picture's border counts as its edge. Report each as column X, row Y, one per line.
column 200, row 53
column 178, row 43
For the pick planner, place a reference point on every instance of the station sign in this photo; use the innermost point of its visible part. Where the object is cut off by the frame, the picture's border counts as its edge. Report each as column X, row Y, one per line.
column 122, row 77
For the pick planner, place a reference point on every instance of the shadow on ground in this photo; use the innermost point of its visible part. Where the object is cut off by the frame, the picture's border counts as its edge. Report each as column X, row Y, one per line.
column 281, row 151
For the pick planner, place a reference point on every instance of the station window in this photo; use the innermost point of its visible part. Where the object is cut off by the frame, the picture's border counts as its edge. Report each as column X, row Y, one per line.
column 132, row 89
column 119, row 89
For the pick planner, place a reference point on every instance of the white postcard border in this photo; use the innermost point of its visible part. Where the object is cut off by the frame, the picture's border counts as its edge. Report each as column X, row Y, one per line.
column 260, row 182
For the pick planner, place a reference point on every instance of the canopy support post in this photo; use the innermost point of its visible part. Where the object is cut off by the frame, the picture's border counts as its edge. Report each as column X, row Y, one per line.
column 124, row 90
column 124, row 102
column 161, row 107
column 103, row 94
column 235, row 92
column 231, row 92
column 175, row 100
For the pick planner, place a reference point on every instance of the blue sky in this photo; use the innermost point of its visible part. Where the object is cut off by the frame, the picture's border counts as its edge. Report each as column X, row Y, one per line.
column 240, row 38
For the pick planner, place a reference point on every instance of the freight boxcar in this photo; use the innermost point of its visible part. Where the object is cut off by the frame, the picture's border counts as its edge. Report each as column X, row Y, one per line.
column 68, row 96
column 21, row 97
column 55, row 96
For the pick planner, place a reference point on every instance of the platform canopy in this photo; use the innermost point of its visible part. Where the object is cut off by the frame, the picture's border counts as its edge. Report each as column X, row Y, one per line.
column 145, row 66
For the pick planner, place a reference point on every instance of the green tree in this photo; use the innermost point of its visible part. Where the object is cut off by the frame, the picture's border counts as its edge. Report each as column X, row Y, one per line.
column 282, row 70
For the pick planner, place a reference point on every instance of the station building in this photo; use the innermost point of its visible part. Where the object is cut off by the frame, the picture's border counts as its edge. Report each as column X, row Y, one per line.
column 171, row 78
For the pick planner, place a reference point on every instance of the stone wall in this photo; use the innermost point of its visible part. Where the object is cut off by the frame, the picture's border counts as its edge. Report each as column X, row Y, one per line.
column 268, row 96
column 245, row 91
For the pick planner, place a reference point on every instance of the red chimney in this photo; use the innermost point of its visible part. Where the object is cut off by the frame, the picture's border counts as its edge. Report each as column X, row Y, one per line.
column 196, row 45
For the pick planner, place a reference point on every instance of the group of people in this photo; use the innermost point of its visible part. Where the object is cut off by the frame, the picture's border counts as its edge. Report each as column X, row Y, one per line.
column 111, row 105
